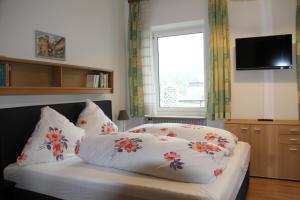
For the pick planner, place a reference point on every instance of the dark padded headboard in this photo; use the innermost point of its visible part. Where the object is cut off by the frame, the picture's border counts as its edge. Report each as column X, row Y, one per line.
column 17, row 124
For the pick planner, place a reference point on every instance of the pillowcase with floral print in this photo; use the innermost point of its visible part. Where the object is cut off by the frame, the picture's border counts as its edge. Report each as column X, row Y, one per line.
column 55, row 138
column 94, row 121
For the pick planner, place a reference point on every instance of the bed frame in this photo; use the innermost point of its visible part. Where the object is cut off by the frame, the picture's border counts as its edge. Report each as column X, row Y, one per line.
column 17, row 124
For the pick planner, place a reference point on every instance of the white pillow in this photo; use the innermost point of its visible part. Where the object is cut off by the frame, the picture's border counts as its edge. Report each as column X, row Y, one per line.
column 55, row 138
column 93, row 120
column 161, row 156
column 220, row 137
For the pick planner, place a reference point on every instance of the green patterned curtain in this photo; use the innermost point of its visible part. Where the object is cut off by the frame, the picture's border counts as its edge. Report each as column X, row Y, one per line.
column 135, row 80
column 219, row 84
column 298, row 52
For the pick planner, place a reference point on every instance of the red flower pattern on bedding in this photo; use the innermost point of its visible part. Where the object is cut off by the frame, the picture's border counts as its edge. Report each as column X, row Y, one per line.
column 82, row 122
column 163, row 139
column 128, row 144
column 175, row 158
column 54, row 135
column 77, row 147
column 171, row 134
column 140, row 130
column 213, row 136
column 21, row 158
column 57, row 149
column 163, row 129
column 56, row 142
column 218, row 172
column 222, row 141
column 210, row 136
column 171, row 156
column 204, row 147
column 108, row 128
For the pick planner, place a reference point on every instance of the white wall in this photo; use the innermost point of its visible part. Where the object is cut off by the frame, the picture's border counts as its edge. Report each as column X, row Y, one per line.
column 94, row 32
column 173, row 11
column 269, row 93
column 255, row 94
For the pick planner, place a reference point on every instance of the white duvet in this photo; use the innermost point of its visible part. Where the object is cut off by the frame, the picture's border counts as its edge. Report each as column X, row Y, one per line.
column 219, row 137
column 161, row 156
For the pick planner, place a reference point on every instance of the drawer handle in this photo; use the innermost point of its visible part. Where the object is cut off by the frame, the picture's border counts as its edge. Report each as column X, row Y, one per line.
column 293, row 149
column 294, row 130
column 244, row 128
column 256, row 129
column 293, row 139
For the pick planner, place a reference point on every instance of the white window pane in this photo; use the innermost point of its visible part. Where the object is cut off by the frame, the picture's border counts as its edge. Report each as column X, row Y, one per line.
column 181, row 70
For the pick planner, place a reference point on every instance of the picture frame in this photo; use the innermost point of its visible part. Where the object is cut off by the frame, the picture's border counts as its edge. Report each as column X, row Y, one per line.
column 50, row 46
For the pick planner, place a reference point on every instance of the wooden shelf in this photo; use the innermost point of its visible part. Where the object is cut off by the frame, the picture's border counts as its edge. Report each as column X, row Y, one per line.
column 30, row 77
column 52, row 90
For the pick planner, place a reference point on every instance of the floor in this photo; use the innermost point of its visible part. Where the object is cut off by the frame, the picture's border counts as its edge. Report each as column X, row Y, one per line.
column 267, row 189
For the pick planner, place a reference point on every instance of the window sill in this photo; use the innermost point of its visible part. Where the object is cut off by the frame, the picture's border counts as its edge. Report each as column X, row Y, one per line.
column 175, row 116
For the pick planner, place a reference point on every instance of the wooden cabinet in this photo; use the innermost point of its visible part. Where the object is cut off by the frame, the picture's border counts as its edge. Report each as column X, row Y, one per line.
column 289, row 161
column 275, row 146
column 289, row 152
column 263, row 151
column 27, row 77
column 242, row 131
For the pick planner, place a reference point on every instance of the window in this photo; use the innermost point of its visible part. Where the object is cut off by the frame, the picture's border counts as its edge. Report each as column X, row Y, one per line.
column 179, row 59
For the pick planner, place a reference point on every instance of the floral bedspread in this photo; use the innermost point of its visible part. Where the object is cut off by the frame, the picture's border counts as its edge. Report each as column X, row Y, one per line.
column 219, row 137
column 197, row 161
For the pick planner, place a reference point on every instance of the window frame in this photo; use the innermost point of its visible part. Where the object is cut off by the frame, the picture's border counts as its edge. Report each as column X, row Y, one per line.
column 177, row 30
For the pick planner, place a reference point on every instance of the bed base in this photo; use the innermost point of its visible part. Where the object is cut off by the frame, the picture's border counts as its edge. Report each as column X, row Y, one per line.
column 25, row 194
column 242, row 195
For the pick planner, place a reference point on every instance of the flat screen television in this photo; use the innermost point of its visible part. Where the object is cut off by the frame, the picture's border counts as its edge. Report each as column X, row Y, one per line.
column 267, row 52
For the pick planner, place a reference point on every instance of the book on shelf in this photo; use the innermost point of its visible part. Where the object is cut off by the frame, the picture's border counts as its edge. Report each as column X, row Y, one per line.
column 2, row 74
column 105, row 85
column 97, row 80
column 5, row 75
column 103, row 82
column 92, row 81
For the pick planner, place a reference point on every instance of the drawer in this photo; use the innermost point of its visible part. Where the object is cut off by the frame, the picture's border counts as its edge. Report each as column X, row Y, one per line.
column 289, row 139
column 289, row 161
column 292, row 150
column 286, row 129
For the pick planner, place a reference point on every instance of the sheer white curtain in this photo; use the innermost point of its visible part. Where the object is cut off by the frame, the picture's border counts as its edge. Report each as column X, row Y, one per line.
column 147, row 60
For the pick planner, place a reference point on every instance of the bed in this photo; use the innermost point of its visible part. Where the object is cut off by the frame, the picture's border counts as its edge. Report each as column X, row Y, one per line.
column 75, row 179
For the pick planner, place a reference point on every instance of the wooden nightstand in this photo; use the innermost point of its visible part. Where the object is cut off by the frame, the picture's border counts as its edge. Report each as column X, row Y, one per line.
column 6, row 189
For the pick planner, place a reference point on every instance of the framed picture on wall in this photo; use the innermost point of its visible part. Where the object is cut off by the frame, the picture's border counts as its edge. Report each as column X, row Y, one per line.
column 50, row 46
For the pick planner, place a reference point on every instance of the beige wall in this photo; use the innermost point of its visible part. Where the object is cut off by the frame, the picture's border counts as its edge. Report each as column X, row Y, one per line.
column 269, row 93
column 95, row 29
column 255, row 94
column 94, row 32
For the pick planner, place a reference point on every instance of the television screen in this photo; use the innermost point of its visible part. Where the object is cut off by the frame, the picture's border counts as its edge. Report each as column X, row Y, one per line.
column 267, row 52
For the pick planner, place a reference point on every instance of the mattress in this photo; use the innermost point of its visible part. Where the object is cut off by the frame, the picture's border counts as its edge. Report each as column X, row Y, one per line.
column 76, row 180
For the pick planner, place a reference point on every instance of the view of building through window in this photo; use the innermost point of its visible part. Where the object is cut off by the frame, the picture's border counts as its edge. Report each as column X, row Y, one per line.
column 181, row 70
